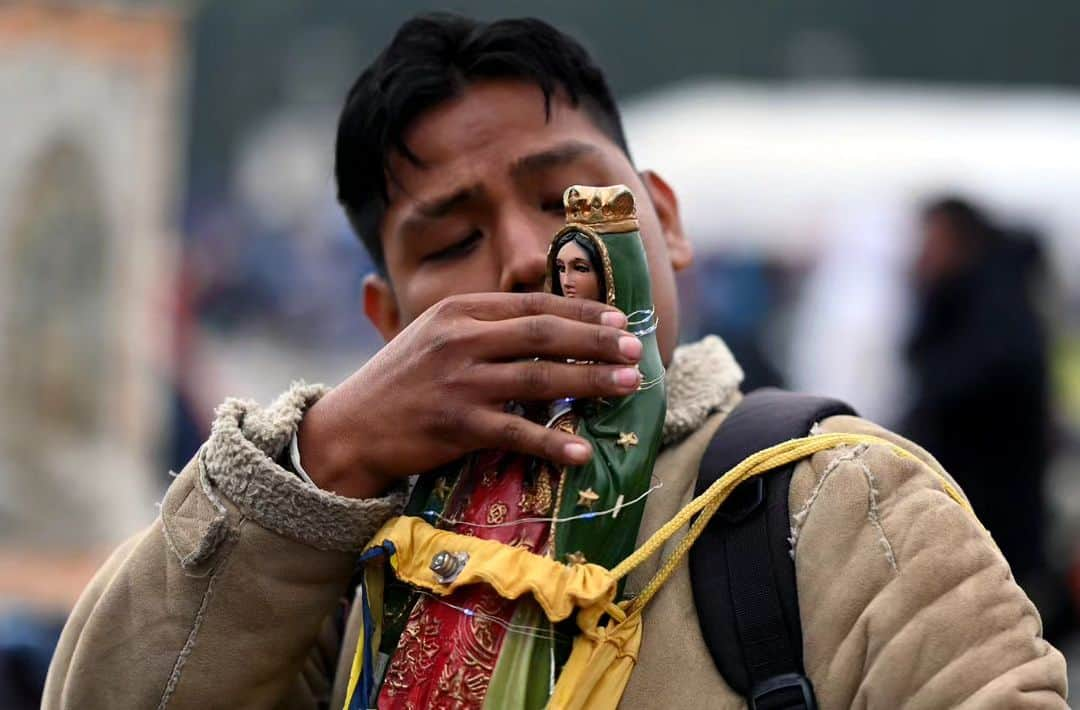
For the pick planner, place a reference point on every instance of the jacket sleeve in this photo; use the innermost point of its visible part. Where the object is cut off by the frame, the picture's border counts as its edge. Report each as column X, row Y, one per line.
column 904, row 597
column 224, row 600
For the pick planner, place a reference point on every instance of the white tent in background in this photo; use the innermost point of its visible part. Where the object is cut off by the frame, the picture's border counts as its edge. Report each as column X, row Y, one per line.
column 835, row 172
column 761, row 166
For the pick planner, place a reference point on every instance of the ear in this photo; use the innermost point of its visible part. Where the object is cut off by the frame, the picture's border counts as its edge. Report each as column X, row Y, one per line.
column 380, row 306
column 667, row 209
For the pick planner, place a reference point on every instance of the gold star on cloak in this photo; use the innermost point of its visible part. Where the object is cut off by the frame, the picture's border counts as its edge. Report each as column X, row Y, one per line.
column 627, row 439
column 575, row 558
column 586, row 498
column 441, row 489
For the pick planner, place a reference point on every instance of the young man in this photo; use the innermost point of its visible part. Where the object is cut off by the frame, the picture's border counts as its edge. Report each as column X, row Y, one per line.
column 453, row 151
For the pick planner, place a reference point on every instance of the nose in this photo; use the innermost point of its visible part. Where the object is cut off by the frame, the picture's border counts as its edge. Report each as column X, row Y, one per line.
column 523, row 241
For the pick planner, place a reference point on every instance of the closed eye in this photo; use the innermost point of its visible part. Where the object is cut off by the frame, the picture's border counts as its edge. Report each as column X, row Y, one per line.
column 457, row 249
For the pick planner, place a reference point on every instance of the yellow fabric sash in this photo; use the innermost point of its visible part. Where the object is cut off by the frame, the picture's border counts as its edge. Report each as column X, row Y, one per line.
column 603, row 656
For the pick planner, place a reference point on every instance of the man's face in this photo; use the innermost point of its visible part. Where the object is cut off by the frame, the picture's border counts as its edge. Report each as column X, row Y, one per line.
column 481, row 211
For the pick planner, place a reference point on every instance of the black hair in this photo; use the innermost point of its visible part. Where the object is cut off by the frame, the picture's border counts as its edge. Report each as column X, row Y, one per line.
column 432, row 59
column 595, row 260
column 968, row 222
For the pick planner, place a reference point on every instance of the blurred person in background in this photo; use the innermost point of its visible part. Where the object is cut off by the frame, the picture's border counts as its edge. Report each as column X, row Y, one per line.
column 454, row 149
column 978, row 355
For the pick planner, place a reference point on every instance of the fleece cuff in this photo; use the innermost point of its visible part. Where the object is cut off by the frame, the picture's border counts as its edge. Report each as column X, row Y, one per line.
column 240, row 457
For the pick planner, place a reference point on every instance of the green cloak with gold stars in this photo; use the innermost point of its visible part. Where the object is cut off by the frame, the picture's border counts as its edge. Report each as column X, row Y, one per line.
column 594, row 509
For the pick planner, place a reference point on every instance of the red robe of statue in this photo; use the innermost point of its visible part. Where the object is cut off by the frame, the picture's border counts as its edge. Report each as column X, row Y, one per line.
column 446, row 655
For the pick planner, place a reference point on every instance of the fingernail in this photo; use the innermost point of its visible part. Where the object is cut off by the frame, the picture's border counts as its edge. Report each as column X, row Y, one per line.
column 630, row 347
column 576, row 452
column 626, row 377
column 615, row 319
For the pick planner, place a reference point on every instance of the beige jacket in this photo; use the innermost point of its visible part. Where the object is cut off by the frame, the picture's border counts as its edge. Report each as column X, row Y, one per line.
column 229, row 599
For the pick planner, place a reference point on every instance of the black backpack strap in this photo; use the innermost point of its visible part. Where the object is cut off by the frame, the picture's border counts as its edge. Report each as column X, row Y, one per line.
column 741, row 570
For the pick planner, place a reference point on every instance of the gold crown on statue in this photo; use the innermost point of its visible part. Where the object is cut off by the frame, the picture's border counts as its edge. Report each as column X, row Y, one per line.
column 604, row 209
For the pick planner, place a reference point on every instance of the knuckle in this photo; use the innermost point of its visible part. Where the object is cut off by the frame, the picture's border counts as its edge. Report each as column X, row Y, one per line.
column 538, row 330
column 599, row 378
column 606, row 342
column 514, row 434
column 439, row 342
column 586, row 310
column 450, row 382
column 469, row 309
column 450, row 337
column 536, row 378
column 448, row 307
column 533, row 303
column 444, row 419
column 589, row 311
column 468, row 425
column 467, row 337
column 443, row 340
column 472, row 305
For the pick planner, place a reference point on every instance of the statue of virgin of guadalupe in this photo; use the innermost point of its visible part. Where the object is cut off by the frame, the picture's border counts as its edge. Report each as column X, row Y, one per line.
column 474, row 648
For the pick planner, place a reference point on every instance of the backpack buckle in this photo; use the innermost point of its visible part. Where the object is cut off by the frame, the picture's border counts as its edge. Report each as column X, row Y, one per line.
column 788, row 691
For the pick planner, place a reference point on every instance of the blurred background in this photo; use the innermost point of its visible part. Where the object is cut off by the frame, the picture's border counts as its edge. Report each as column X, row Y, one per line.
column 884, row 197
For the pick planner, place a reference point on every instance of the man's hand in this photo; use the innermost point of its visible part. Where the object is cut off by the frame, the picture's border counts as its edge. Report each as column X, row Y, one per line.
column 439, row 389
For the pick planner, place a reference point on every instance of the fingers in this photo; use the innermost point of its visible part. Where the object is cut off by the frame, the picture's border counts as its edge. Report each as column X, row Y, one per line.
column 494, row 326
column 504, row 306
column 562, row 338
column 544, row 380
column 496, row 430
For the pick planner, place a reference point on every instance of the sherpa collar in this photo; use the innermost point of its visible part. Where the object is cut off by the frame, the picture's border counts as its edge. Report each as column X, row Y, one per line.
column 703, row 379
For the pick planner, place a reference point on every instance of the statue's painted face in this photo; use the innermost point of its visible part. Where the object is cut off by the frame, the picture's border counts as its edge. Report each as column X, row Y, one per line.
column 576, row 274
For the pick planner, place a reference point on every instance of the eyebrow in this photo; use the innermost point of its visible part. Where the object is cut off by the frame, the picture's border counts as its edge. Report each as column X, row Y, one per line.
column 558, row 155
column 442, row 206
column 439, row 207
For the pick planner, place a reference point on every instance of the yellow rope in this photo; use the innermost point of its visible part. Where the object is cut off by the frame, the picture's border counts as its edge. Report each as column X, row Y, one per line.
column 709, row 502
column 604, row 653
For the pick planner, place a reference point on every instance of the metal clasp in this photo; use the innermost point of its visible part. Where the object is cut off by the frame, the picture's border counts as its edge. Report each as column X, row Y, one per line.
column 448, row 565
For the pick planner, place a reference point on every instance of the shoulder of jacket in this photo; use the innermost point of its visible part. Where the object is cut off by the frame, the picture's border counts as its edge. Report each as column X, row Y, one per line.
column 867, row 484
